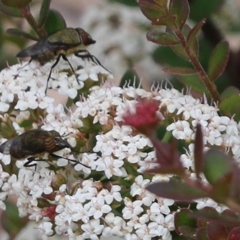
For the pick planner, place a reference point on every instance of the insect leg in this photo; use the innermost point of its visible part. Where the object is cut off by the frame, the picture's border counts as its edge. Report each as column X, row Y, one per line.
column 70, row 160
column 50, row 73
column 88, row 55
column 29, row 163
column 66, row 59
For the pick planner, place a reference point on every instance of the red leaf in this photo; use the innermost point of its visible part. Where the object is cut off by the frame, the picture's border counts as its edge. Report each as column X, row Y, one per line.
column 176, row 190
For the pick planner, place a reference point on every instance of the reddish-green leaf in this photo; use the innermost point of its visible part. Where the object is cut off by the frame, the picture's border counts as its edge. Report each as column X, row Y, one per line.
column 234, row 234
column 179, row 70
column 227, row 213
column 216, row 165
column 167, row 20
column 181, row 10
column 216, row 231
column 10, row 11
column 193, row 45
column 221, row 189
column 192, row 41
column 162, row 38
column 198, row 151
column 201, row 234
column 43, row 12
column 160, row 3
column 180, row 51
column 176, row 190
column 229, row 92
column 211, row 214
column 187, row 232
column 183, row 218
column 16, row 3
column 194, row 31
column 153, row 9
column 19, row 33
column 218, row 60
column 230, row 106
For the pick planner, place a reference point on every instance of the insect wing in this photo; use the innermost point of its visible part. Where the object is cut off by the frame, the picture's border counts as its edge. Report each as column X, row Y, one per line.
column 34, row 50
column 5, row 147
column 34, row 141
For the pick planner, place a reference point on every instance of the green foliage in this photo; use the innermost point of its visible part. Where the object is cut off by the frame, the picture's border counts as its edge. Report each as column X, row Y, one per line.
column 130, row 78
column 11, row 221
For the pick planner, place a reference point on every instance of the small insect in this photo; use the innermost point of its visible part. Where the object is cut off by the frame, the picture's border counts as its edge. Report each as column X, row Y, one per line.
column 61, row 44
column 34, row 142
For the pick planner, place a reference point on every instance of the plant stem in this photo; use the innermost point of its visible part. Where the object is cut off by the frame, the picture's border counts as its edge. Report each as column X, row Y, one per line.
column 197, row 65
column 29, row 17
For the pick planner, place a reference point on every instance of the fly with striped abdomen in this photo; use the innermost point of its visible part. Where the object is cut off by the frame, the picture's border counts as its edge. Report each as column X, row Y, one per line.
column 34, row 142
column 61, row 44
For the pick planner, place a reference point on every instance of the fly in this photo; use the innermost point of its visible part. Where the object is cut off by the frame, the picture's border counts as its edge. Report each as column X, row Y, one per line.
column 61, row 44
column 34, row 142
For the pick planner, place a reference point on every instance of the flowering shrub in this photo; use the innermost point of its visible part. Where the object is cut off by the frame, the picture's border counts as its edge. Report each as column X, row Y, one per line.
column 103, row 185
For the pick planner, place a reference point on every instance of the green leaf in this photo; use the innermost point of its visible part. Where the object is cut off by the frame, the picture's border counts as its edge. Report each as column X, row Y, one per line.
column 194, row 82
column 218, row 60
column 11, row 221
column 194, row 31
column 192, row 41
column 16, row 3
column 10, row 11
column 180, row 51
column 19, row 33
column 179, row 70
column 183, row 218
column 204, row 8
column 130, row 78
column 176, row 190
column 193, row 45
column 230, row 106
column 125, row 2
column 181, row 10
column 162, row 38
column 44, row 12
column 153, row 9
column 229, row 92
column 216, row 165
column 58, row 20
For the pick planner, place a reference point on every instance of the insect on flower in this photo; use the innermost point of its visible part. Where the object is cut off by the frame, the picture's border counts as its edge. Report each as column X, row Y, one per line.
column 61, row 44
column 34, row 142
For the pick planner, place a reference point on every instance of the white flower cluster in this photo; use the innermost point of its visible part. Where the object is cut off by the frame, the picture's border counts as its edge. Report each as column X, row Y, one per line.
column 109, row 197
column 29, row 81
